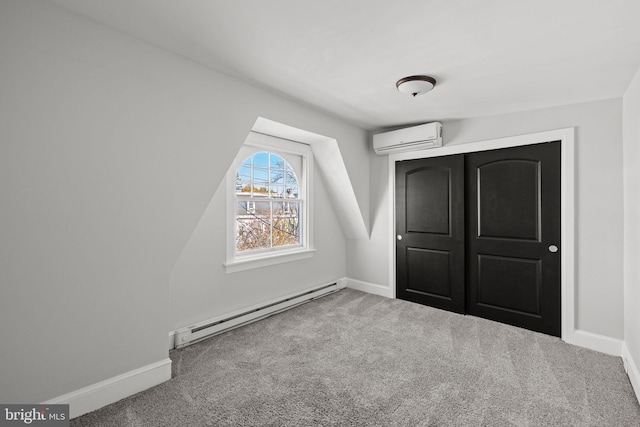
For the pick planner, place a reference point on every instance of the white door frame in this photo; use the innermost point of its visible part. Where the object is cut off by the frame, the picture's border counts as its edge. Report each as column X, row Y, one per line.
column 567, row 214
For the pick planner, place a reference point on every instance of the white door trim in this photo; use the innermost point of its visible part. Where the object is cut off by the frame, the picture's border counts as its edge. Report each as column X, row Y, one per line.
column 567, row 194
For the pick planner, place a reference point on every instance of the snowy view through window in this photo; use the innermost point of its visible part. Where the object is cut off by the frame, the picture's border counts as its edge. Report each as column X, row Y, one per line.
column 268, row 206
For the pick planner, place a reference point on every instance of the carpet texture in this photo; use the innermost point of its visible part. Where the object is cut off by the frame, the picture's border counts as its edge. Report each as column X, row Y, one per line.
column 355, row 359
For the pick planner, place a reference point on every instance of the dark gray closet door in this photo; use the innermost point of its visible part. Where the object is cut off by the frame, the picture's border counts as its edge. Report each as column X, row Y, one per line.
column 430, row 232
column 479, row 233
column 513, row 236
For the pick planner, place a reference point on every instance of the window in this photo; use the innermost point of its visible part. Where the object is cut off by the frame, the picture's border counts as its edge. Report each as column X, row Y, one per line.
column 268, row 204
column 268, row 210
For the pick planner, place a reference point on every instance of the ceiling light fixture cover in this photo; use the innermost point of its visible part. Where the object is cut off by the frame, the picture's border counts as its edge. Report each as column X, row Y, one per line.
column 416, row 85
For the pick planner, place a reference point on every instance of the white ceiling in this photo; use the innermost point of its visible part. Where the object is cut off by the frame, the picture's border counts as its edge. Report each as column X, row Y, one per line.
column 344, row 56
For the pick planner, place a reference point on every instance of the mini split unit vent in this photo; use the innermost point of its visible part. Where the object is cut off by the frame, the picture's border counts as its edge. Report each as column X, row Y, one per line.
column 408, row 139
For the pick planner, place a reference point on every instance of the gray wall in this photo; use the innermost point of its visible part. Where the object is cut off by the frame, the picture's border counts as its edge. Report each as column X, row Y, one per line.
column 599, row 206
column 201, row 289
column 110, row 152
column 631, row 120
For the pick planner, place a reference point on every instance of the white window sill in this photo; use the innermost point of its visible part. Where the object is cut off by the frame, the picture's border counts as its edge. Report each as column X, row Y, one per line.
column 265, row 260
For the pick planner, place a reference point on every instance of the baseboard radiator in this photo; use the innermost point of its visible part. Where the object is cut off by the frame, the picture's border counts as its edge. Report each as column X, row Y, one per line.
column 209, row 328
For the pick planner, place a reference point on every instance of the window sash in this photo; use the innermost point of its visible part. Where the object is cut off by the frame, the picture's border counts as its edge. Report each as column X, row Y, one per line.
column 258, row 225
column 264, row 215
column 299, row 157
column 267, row 199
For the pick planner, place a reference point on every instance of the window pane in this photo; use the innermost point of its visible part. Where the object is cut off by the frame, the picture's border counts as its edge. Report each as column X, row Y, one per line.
column 253, row 225
column 261, row 191
column 277, row 176
column 286, row 221
column 243, row 188
column 243, row 179
column 244, row 172
column 260, row 182
column 277, row 191
column 277, row 162
column 244, row 208
column 261, row 175
column 290, row 178
column 290, row 174
column 261, row 159
column 292, row 191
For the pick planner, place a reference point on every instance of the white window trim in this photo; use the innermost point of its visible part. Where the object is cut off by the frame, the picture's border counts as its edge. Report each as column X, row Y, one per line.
column 240, row 262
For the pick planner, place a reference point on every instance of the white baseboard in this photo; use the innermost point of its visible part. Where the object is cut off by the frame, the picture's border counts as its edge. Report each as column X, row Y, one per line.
column 596, row 342
column 172, row 340
column 632, row 370
column 111, row 390
column 370, row 288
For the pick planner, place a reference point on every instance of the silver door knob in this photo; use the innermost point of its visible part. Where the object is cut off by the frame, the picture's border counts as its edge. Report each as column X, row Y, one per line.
column 399, row 237
column 553, row 249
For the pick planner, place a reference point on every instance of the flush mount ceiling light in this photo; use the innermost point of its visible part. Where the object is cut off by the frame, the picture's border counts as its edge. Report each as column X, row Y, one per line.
column 416, row 85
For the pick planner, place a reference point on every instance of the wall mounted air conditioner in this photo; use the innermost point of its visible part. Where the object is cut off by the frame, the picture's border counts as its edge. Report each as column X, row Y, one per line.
column 408, row 139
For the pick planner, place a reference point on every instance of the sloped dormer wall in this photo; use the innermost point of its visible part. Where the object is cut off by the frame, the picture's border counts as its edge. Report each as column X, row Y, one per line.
column 111, row 150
